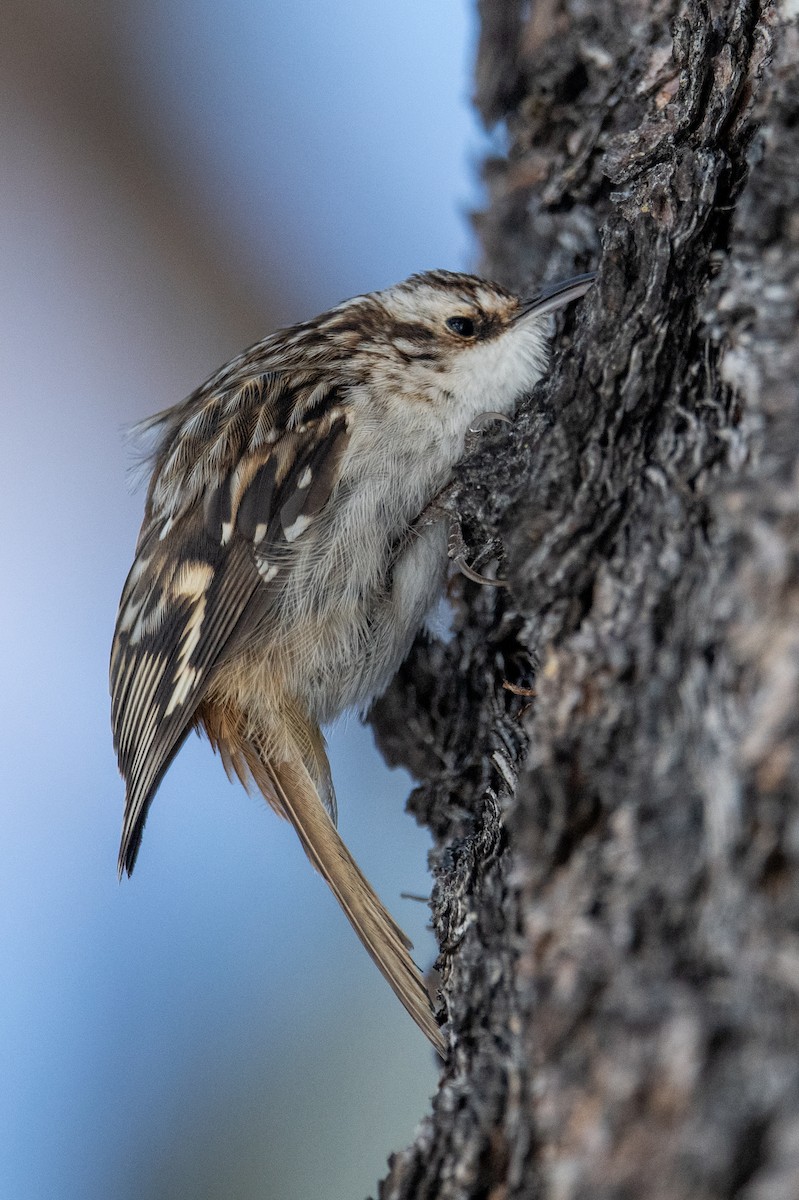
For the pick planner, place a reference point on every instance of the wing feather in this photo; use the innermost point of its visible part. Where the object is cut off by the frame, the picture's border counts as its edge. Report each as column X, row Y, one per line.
column 202, row 580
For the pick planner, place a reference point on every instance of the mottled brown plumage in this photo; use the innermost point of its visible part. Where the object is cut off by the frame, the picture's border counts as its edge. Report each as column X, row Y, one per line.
column 281, row 574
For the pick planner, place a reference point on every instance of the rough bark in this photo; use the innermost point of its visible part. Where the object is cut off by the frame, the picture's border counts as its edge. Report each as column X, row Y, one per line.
column 617, row 862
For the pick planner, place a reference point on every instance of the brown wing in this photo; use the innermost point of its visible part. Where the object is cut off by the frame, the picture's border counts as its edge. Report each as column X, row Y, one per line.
column 201, row 580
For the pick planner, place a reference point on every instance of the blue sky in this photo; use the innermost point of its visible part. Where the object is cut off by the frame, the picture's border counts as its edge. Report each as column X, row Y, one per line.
column 210, row 1027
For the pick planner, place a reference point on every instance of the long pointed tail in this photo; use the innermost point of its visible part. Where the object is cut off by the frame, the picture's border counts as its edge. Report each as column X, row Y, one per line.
column 290, row 789
column 377, row 929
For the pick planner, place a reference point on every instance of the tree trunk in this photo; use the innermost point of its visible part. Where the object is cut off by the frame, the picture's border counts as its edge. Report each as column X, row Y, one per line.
column 617, row 862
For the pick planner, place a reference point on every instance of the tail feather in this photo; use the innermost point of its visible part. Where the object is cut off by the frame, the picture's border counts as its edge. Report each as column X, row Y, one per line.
column 382, row 937
column 290, row 789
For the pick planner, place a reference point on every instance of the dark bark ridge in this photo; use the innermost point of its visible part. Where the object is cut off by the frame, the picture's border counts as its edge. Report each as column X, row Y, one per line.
column 618, row 856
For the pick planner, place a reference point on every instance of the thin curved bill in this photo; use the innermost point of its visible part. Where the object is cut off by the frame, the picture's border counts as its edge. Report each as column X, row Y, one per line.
column 556, row 295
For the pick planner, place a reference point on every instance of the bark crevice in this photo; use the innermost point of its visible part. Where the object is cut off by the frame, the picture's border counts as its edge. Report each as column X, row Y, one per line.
column 617, row 861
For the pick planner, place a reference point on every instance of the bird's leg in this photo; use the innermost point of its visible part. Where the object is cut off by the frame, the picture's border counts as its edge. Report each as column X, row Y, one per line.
column 456, row 549
column 476, row 429
column 441, row 507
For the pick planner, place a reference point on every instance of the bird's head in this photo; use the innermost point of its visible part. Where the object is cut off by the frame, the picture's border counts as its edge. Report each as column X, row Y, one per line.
column 454, row 340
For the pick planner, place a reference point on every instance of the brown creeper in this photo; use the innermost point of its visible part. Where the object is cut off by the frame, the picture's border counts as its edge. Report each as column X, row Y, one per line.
column 281, row 574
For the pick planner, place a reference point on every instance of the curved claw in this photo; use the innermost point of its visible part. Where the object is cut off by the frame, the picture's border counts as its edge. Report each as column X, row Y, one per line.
column 465, row 569
column 490, row 415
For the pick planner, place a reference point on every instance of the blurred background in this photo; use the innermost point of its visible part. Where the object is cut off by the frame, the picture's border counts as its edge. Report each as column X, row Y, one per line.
column 176, row 179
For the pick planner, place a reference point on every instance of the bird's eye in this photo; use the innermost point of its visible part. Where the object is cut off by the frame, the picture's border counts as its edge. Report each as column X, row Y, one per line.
column 463, row 326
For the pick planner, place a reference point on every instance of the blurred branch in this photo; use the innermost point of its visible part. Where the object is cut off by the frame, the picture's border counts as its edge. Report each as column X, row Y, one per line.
column 63, row 65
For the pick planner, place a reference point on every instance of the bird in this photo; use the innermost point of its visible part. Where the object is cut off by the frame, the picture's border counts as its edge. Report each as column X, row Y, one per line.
column 291, row 550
